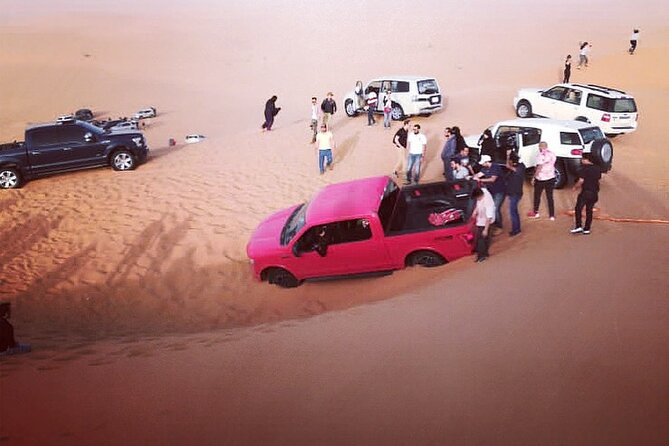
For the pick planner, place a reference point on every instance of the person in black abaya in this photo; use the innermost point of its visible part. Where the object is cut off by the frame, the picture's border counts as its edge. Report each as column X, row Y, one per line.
column 270, row 112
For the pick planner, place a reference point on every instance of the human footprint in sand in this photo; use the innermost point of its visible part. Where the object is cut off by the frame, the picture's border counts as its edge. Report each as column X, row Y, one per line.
column 326, row 144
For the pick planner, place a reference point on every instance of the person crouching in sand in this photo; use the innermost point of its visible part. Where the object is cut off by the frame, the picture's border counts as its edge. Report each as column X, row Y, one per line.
column 8, row 345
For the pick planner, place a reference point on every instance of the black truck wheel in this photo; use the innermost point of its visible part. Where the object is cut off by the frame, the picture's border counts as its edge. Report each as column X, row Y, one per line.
column 396, row 112
column 425, row 258
column 122, row 160
column 282, row 278
column 9, row 178
column 560, row 175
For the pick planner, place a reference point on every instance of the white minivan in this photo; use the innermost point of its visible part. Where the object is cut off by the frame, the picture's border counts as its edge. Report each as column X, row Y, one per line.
column 410, row 95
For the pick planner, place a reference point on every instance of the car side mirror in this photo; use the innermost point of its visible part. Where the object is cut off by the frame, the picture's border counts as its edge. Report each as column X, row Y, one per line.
column 88, row 137
column 296, row 252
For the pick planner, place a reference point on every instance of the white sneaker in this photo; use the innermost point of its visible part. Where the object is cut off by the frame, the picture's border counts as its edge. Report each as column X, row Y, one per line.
column 577, row 230
column 552, row 218
column 586, row 231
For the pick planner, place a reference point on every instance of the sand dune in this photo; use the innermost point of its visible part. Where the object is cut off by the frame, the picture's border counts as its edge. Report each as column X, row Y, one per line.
column 135, row 291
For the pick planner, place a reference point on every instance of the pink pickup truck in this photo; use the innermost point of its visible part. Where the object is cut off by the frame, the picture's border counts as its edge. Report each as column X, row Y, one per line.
column 361, row 227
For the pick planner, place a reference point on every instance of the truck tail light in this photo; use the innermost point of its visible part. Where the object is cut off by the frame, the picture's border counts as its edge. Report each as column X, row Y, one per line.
column 606, row 117
column 577, row 152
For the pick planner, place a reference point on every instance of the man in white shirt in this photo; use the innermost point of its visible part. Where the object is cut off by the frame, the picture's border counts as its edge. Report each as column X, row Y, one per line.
column 417, row 143
column 326, row 143
column 315, row 115
column 484, row 215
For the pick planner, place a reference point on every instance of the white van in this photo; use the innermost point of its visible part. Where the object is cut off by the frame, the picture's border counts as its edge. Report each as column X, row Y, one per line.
column 567, row 139
column 410, row 95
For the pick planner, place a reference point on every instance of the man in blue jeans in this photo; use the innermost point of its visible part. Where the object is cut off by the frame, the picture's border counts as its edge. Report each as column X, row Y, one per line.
column 325, row 143
column 491, row 177
column 416, row 142
column 514, row 190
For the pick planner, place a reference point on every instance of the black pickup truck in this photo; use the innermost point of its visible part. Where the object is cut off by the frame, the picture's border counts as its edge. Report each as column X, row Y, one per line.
column 69, row 145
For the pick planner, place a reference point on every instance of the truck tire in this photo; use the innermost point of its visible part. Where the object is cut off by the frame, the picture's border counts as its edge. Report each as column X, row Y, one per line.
column 349, row 108
column 425, row 258
column 122, row 160
column 524, row 109
column 282, row 278
column 560, row 175
column 396, row 112
column 9, row 178
column 601, row 154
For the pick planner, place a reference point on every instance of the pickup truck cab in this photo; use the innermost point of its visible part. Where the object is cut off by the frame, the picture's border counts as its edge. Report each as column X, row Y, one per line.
column 68, row 145
column 361, row 227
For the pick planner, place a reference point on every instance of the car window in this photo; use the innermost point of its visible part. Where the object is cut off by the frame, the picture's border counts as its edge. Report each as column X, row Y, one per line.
column 573, row 96
column 622, row 105
column 373, row 86
column 590, row 134
column 388, row 202
column 570, row 139
column 428, row 86
column 626, row 105
column 349, row 231
column 400, row 86
column 45, row 137
column 555, row 93
column 529, row 135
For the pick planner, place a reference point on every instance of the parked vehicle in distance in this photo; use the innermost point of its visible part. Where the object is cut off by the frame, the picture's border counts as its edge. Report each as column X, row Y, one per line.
column 69, row 145
column 146, row 113
column 613, row 110
column 411, row 95
column 191, row 139
column 83, row 114
column 121, row 126
column 567, row 139
column 361, row 227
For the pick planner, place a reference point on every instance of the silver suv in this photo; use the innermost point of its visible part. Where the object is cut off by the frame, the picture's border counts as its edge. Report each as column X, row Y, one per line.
column 613, row 110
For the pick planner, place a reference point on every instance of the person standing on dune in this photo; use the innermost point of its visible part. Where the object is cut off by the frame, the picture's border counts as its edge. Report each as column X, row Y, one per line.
column 329, row 108
column 633, row 41
column 371, row 107
column 400, row 141
column 417, row 143
column 583, row 52
column 567, row 69
column 588, row 182
column 271, row 111
column 8, row 345
column 315, row 114
column 325, row 142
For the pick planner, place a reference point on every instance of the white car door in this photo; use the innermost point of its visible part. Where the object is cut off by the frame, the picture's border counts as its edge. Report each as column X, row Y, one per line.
column 550, row 103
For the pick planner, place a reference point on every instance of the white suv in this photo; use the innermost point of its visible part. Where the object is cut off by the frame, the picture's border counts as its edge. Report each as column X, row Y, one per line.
column 410, row 95
column 567, row 139
column 613, row 110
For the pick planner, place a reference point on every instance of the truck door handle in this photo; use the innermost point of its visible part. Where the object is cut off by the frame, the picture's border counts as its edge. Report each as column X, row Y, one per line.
column 445, row 237
column 34, row 152
column 67, row 148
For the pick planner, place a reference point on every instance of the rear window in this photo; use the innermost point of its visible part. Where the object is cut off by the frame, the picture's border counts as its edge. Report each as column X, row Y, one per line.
column 622, row 105
column 590, row 134
column 570, row 139
column 428, row 86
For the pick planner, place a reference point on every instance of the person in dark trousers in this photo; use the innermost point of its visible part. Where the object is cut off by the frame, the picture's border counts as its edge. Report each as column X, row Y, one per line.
column 400, row 141
column 271, row 111
column 544, row 180
column 514, row 190
column 448, row 152
column 633, row 41
column 487, row 144
column 329, row 108
column 567, row 69
column 8, row 345
column 484, row 216
column 588, row 182
column 491, row 176
column 372, row 101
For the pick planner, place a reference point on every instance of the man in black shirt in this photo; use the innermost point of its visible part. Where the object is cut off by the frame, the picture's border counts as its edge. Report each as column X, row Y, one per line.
column 514, row 190
column 400, row 141
column 588, row 181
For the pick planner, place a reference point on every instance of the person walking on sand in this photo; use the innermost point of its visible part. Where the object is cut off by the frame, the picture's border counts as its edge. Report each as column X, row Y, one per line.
column 634, row 38
column 271, row 111
column 448, row 152
column 588, row 182
column 484, row 216
column 371, row 107
column 386, row 103
column 400, row 141
column 326, row 144
column 417, row 143
column 544, row 180
column 583, row 52
column 329, row 108
column 514, row 190
column 567, row 69
column 315, row 115
column 8, row 345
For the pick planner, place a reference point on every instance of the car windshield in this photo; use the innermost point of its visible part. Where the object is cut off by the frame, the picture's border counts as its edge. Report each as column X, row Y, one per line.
column 294, row 223
column 428, row 86
column 590, row 134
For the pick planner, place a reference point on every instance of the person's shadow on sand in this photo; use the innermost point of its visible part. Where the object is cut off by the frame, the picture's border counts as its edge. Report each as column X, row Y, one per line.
column 345, row 147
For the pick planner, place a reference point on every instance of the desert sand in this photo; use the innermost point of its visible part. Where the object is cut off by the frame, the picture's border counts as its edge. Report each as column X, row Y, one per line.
column 134, row 288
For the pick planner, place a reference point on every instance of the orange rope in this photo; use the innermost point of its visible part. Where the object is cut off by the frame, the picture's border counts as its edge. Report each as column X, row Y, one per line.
column 623, row 219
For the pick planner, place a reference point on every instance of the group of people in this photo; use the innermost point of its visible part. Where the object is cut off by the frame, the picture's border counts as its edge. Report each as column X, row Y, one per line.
column 324, row 138
column 584, row 51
